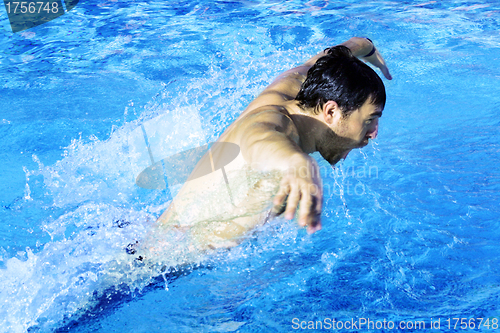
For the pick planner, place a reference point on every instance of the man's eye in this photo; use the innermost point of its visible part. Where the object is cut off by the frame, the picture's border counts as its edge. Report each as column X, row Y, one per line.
column 368, row 121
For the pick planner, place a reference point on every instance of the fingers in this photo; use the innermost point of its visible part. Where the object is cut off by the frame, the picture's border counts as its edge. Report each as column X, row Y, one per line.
column 308, row 198
column 301, row 191
column 383, row 67
column 307, row 213
column 292, row 203
column 386, row 73
column 280, row 197
column 310, row 209
column 279, row 206
column 311, row 229
column 378, row 61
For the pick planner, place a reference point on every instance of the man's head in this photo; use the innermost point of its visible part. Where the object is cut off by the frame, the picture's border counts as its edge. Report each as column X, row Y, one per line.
column 341, row 77
column 348, row 96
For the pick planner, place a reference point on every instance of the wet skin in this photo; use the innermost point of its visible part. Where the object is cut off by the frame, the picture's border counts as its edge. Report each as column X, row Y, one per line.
column 276, row 135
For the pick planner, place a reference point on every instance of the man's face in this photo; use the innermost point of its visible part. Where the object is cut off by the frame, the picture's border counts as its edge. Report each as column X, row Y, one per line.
column 359, row 126
column 347, row 133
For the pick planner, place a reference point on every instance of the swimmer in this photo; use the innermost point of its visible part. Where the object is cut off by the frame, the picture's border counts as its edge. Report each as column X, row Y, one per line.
column 331, row 104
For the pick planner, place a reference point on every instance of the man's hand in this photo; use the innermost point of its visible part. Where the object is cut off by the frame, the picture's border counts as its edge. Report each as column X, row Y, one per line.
column 361, row 47
column 301, row 184
column 377, row 60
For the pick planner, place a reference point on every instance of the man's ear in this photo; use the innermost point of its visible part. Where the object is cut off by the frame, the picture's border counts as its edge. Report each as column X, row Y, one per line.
column 331, row 112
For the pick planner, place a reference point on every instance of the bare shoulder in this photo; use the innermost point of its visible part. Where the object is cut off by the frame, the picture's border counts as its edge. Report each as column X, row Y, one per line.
column 272, row 117
column 282, row 90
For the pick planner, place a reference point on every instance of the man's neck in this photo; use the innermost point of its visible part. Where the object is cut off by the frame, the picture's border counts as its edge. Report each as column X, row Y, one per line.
column 314, row 134
column 308, row 125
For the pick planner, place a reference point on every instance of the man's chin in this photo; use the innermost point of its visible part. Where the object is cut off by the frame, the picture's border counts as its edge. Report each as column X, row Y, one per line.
column 337, row 157
column 334, row 159
column 344, row 156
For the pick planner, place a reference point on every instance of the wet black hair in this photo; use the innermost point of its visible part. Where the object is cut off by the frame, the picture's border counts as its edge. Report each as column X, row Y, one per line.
column 341, row 77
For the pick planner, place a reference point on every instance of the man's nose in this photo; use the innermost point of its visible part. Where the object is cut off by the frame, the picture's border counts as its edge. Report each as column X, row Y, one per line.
column 373, row 130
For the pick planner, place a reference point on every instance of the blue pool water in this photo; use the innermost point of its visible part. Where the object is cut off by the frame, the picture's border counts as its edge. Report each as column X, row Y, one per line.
column 410, row 223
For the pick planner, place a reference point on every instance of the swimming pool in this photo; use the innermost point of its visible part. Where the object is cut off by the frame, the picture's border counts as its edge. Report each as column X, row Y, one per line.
column 410, row 224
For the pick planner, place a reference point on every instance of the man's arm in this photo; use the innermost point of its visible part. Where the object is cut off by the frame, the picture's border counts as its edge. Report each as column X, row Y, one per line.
column 360, row 47
column 289, row 82
column 269, row 140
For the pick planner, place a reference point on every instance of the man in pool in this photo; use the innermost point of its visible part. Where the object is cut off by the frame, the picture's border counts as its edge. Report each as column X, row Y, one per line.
column 330, row 104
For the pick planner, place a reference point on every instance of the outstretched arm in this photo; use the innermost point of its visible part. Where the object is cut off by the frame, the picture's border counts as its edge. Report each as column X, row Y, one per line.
column 361, row 47
column 269, row 141
column 288, row 83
